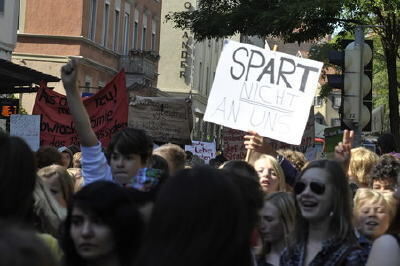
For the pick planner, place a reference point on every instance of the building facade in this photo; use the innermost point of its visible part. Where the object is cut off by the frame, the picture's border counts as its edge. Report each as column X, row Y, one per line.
column 187, row 68
column 9, row 23
column 100, row 34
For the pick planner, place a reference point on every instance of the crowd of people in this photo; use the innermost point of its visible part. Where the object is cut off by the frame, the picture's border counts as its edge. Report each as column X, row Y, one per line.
column 132, row 205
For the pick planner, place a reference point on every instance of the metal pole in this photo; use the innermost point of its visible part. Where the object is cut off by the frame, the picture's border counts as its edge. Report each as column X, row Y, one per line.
column 359, row 41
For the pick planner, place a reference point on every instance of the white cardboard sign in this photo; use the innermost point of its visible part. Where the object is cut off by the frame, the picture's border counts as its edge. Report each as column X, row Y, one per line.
column 28, row 128
column 205, row 150
column 265, row 91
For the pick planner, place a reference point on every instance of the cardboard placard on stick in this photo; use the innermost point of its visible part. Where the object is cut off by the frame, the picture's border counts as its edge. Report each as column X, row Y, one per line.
column 165, row 119
column 265, row 91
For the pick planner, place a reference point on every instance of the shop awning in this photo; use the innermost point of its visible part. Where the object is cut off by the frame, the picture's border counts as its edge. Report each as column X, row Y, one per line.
column 20, row 79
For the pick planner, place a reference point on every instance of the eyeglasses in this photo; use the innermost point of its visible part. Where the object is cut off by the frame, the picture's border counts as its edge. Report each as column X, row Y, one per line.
column 317, row 188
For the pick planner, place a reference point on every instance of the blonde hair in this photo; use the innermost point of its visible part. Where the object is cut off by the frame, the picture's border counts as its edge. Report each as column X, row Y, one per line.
column 175, row 155
column 282, row 186
column 297, row 158
column 64, row 178
column 284, row 202
column 362, row 161
column 76, row 160
column 77, row 178
column 366, row 195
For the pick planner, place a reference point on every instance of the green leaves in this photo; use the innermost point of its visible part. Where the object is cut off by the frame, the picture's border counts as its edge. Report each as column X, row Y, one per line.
column 292, row 20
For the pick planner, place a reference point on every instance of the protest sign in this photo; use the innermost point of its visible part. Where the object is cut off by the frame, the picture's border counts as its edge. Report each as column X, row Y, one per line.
column 26, row 127
column 107, row 109
column 233, row 144
column 333, row 135
column 3, row 125
column 205, row 150
column 265, row 91
column 165, row 119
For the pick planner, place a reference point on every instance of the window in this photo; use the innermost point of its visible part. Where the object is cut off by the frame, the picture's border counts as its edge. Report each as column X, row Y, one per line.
column 317, row 101
column 335, row 122
column 116, row 30
column 92, row 19
column 200, row 76
column 153, row 35
column 336, row 101
column 135, row 35
column 1, row 7
column 319, row 120
column 135, row 30
column 105, row 23
column 207, row 80
column 88, row 83
column 126, row 33
column 144, row 32
column 101, row 84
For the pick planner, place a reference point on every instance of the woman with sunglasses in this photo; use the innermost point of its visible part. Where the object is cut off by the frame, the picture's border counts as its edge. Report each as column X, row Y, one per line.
column 323, row 233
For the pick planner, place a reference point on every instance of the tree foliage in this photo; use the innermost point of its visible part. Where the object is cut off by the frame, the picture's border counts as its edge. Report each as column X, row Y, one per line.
column 300, row 21
column 293, row 20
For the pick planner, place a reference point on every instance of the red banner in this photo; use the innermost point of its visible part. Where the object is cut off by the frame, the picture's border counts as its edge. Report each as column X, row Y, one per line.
column 107, row 109
column 233, row 144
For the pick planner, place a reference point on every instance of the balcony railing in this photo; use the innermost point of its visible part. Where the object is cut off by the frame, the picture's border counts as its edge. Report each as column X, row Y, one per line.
column 139, row 62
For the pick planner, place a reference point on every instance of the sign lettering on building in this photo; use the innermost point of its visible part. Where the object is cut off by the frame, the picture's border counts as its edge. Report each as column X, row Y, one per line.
column 186, row 52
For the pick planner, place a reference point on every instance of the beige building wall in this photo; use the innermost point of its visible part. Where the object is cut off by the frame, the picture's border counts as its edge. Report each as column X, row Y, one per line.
column 53, row 31
column 174, row 53
column 187, row 68
column 8, row 27
column 326, row 111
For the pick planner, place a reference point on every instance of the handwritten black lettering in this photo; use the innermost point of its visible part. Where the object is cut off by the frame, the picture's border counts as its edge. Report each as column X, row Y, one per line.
column 49, row 99
column 238, row 62
column 251, row 65
column 102, row 119
column 56, row 142
column 57, row 128
column 283, row 72
column 108, row 97
column 304, row 77
column 270, row 70
column 63, row 110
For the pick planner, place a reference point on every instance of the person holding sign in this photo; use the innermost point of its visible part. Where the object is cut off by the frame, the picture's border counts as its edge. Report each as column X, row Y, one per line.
column 272, row 178
column 128, row 151
column 255, row 143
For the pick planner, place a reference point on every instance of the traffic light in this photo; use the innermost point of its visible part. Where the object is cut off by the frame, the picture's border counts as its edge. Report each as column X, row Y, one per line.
column 355, row 82
column 8, row 110
column 367, row 87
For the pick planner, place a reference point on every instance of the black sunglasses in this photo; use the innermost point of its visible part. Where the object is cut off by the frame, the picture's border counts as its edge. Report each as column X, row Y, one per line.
column 317, row 188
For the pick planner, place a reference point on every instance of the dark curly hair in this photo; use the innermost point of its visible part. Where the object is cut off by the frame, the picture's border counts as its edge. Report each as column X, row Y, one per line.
column 387, row 168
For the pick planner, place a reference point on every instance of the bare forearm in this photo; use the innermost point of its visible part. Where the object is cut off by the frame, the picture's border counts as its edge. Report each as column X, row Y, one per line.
column 77, row 109
column 81, row 119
